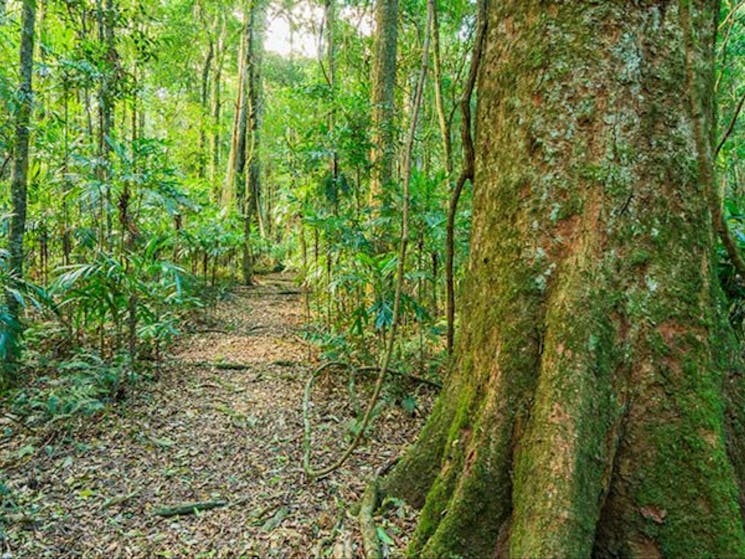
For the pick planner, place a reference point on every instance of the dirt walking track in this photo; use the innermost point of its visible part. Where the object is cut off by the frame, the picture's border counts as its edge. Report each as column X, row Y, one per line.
column 203, row 433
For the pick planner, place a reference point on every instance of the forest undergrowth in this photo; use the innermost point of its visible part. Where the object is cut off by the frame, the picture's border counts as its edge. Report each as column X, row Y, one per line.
column 220, row 430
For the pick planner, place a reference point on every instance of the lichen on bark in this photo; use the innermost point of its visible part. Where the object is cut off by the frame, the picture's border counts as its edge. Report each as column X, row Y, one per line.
column 594, row 397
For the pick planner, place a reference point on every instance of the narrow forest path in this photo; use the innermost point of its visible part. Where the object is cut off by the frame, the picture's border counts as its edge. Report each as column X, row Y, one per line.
column 203, row 433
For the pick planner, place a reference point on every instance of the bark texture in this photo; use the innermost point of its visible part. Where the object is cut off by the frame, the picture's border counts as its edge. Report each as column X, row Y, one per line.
column 216, row 96
column 251, row 197
column 442, row 119
column 237, row 154
column 204, row 100
column 591, row 406
column 19, row 183
column 106, row 17
column 383, row 155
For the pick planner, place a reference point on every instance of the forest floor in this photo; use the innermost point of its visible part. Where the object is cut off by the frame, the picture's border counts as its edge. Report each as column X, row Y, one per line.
column 205, row 433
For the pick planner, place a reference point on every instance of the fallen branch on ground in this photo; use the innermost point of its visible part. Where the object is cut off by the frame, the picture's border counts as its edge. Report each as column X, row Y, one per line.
column 213, row 364
column 189, row 508
column 120, row 499
column 284, row 363
column 263, row 293
column 245, row 332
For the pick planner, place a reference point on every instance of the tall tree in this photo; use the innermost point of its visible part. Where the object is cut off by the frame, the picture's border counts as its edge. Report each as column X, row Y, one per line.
column 442, row 119
column 106, row 17
column 204, row 105
column 383, row 155
column 237, row 155
column 251, row 199
column 466, row 173
column 585, row 415
column 19, row 183
column 217, row 93
column 330, row 73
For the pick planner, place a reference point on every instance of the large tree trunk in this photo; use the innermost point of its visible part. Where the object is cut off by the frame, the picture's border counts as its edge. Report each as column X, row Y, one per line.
column 585, row 415
column 383, row 155
column 19, row 185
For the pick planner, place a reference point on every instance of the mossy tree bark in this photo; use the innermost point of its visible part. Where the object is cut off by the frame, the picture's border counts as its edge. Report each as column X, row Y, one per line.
column 592, row 402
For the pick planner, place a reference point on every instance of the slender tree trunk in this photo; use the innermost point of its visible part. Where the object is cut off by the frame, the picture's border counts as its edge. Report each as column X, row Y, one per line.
column 19, row 186
column 216, row 124
column 442, row 120
column 66, row 185
column 235, row 180
column 255, row 114
column 585, row 415
column 217, row 97
column 330, row 17
column 105, row 16
column 383, row 155
column 251, row 203
column 204, row 100
column 330, row 72
column 466, row 173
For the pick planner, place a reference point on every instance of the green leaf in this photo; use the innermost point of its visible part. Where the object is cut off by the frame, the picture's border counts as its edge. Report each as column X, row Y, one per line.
column 409, row 404
column 86, row 493
column 26, row 450
column 276, row 519
column 383, row 536
column 163, row 443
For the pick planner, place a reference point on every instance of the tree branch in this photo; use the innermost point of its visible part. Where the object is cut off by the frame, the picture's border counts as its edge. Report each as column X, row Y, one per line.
column 466, row 173
column 731, row 126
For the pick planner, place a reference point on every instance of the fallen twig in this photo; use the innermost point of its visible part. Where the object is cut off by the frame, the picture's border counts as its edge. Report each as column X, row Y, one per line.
column 120, row 499
column 189, row 508
column 284, row 363
column 213, row 364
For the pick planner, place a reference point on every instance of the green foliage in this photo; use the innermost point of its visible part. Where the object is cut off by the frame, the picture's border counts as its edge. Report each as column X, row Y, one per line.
column 730, row 91
column 84, row 384
column 26, row 294
column 130, row 232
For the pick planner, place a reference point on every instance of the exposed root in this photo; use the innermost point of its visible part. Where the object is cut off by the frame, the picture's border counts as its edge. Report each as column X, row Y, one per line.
column 370, row 501
column 308, row 439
